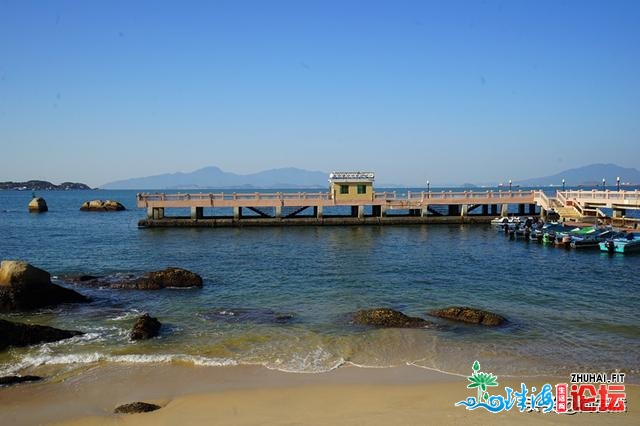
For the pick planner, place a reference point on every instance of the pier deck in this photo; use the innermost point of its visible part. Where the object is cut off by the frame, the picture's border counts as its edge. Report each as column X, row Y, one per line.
column 286, row 208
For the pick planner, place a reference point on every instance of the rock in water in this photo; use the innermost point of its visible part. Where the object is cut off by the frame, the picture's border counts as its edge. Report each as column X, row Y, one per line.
column 16, row 334
column 24, row 287
column 145, row 327
column 383, row 317
column 38, row 205
column 170, row 277
column 136, row 407
column 12, row 380
column 469, row 315
column 101, row 206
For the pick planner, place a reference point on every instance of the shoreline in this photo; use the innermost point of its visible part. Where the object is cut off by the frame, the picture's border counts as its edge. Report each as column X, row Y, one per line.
column 257, row 395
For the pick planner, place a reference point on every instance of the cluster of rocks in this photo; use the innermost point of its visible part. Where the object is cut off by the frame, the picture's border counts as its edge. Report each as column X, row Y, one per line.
column 101, row 206
column 24, row 287
column 39, row 205
column 384, row 317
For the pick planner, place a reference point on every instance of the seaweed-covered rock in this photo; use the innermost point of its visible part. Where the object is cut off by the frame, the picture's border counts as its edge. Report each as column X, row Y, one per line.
column 12, row 380
column 25, row 287
column 136, row 407
column 17, row 334
column 383, row 317
column 170, row 277
column 145, row 327
column 469, row 315
column 101, row 206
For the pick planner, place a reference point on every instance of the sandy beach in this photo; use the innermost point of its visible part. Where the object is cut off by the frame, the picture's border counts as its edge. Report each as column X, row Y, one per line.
column 247, row 395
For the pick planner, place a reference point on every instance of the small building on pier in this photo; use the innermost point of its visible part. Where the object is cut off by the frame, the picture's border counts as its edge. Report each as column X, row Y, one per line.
column 350, row 186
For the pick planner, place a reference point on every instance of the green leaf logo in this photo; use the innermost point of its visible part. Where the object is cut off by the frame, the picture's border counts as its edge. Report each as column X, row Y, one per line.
column 481, row 380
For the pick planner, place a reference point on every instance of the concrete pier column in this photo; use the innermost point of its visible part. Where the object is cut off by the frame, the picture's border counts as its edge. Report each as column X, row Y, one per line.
column 360, row 212
column 278, row 212
column 618, row 213
column 424, row 212
column 383, row 211
column 155, row 212
column 317, row 211
column 197, row 212
column 543, row 214
column 504, row 209
column 464, row 211
column 237, row 213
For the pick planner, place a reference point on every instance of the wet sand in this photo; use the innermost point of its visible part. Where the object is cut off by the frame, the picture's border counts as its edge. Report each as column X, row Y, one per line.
column 247, row 395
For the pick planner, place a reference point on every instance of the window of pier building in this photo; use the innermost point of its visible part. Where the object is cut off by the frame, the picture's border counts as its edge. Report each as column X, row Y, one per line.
column 362, row 189
column 344, row 189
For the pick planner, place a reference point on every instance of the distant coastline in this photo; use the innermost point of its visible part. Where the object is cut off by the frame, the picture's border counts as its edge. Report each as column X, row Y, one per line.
column 42, row 185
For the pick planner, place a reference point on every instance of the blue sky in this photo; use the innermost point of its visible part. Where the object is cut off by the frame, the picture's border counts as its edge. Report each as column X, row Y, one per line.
column 450, row 91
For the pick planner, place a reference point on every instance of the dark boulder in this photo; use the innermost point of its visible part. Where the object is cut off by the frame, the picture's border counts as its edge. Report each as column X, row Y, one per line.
column 136, row 407
column 167, row 278
column 145, row 327
column 12, row 380
column 469, row 315
column 17, row 334
column 25, row 287
column 38, row 205
column 383, row 317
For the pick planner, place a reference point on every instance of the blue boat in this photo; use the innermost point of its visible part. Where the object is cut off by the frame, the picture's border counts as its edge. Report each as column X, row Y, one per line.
column 628, row 244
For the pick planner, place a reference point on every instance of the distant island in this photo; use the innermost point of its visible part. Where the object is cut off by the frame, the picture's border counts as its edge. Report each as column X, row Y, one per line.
column 591, row 175
column 294, row 178
column 42, row 185
column 214, row 177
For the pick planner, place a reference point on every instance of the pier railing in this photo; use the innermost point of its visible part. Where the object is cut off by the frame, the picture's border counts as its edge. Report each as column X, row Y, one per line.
column 605, row 198
column 393, row 199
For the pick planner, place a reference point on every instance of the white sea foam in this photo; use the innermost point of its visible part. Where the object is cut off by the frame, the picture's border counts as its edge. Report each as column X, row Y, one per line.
column 45, row 357
column 318, row 360
column 126, row 316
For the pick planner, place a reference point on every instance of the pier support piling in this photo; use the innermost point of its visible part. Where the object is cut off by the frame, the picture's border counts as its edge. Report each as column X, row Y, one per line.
column 197, row 212
column 237, row 213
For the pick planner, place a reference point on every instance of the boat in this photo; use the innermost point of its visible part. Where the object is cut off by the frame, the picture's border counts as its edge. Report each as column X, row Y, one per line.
column 554, row 232
column 509, row 221
column 591, row 237
column 629, row 243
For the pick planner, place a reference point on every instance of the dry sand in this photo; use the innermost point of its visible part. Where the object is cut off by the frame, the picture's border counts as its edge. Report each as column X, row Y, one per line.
column 254, row 395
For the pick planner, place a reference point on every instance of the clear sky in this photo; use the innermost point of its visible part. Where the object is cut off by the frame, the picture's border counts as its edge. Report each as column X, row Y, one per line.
column 450, row 91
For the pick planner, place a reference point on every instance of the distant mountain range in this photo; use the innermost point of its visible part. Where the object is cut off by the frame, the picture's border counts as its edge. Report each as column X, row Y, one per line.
column 590, row 175
column 290, row 177
column 214, row 177
column 42, row 185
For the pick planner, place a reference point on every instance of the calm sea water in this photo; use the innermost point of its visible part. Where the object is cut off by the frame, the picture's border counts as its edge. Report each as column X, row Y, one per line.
column 568, row 310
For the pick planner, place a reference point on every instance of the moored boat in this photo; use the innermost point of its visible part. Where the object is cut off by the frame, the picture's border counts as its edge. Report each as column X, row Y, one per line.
column 628, row 244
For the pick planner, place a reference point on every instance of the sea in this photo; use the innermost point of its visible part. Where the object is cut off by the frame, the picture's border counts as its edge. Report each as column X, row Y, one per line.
column 282, row 297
